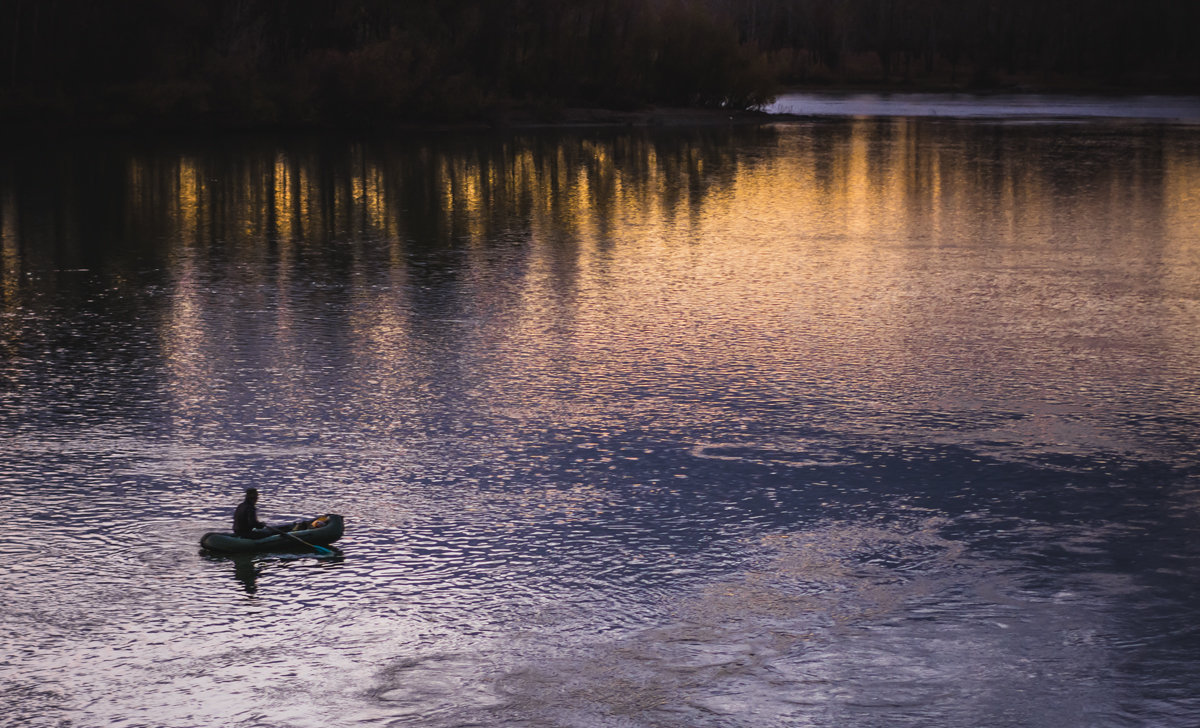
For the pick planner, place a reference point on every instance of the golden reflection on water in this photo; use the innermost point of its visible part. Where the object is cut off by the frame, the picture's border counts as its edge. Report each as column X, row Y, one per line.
column 1182, row 198
column 10, row 260
column 824, row 238
column 863, row 183
column 829, row 238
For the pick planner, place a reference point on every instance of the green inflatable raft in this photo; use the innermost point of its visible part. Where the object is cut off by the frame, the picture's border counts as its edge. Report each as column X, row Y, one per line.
column 311, row 534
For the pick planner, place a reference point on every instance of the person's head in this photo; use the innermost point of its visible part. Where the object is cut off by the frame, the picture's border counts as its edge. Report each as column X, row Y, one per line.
column 252, row 494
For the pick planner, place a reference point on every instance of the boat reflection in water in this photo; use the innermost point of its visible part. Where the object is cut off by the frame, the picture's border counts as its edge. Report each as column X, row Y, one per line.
column 247, row 568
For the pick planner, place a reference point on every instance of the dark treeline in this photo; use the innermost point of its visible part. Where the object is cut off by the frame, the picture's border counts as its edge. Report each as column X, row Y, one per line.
column 1111, row 44
column 354, row 61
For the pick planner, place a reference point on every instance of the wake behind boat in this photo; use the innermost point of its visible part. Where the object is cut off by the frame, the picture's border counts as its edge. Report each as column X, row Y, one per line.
column 315, row 532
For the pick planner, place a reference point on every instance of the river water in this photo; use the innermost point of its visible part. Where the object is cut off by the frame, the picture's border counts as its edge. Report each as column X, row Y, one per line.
column 846, row 422
column 1006, row 107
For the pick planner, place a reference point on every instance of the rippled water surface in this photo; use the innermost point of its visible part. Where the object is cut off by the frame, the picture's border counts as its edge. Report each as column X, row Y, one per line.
column 874, row 422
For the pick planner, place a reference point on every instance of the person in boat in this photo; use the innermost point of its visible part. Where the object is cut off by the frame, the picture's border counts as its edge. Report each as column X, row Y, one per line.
column 245, row 518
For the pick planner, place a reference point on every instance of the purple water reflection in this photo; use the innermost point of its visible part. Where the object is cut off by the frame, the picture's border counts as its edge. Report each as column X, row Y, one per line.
column 997, row 106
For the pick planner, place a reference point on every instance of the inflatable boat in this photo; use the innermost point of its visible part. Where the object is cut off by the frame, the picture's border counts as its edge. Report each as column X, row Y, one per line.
column 312, row 534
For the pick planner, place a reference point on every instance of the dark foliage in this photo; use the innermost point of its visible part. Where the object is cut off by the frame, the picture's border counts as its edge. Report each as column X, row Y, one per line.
column 1110, row 44
column 340, row 62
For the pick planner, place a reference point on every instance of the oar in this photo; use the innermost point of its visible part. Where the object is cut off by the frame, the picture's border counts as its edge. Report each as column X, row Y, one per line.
column 289, row 534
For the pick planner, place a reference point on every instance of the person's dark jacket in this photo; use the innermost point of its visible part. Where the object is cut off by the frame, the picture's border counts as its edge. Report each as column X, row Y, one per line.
column 245, row 520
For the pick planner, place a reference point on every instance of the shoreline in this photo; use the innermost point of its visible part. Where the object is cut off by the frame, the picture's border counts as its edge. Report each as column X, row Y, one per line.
column 518, row 119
